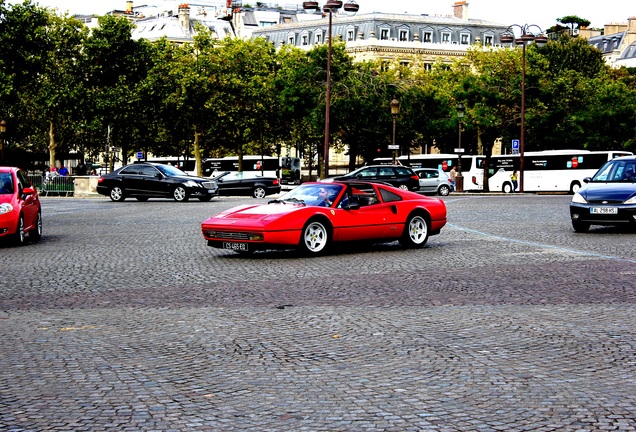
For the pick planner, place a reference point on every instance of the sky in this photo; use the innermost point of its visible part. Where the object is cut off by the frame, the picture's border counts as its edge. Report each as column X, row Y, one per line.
column 543, row 13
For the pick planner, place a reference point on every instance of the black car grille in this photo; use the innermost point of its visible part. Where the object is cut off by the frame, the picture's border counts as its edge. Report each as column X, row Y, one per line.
column 605, row 202
column 208, row 185
column 231, row 235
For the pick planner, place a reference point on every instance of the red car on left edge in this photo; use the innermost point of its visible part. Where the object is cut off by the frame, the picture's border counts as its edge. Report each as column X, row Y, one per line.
column 20, row 208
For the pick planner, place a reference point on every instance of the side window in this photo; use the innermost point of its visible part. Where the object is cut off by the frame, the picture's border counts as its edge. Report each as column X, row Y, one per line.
column 23, row 180
column 434, row 174
column 148, row 171
column 387, row 172
column 388, row 196
column 403, row 171
column 131, row 170
column 370, row 172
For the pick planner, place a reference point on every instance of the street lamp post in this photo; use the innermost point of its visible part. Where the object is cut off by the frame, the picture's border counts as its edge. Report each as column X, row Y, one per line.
column 524, row 39
column 3, row 130
column 459, row 179
column 329, row 7
column 395, row 110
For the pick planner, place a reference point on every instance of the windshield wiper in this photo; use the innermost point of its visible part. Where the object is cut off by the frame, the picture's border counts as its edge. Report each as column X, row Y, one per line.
column 290, row 200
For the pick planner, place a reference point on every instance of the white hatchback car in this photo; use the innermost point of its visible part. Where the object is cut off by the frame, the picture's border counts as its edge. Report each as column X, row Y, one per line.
column 433, row 180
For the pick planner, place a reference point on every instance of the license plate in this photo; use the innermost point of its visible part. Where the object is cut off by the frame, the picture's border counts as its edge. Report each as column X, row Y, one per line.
column 604, row 210
column 235, row 246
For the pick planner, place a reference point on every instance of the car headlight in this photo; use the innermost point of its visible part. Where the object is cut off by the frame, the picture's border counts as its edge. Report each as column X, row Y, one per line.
column 578, row 198
column 632, row 200
column 6, row 208
column 192, row 183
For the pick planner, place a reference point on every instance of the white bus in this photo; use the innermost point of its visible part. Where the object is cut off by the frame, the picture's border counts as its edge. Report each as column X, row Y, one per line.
column 472, row 166
column 549, row 170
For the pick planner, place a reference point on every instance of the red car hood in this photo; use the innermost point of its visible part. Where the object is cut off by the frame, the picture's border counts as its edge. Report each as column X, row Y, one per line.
column 252, row 216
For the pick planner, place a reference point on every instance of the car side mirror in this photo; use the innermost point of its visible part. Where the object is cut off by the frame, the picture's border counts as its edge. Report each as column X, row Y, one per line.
column 158, row 176
column 587, row 179
column 28, row 191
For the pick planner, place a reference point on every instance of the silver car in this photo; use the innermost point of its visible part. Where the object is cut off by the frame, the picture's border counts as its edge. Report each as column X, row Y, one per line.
column 435, row 181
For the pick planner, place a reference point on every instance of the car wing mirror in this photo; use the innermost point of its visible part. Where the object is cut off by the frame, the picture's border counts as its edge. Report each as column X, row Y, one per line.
column 587, row 179
column 28, row 191
column 158, row 176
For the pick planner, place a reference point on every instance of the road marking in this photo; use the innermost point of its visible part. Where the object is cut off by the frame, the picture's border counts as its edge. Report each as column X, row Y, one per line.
column 542, row 245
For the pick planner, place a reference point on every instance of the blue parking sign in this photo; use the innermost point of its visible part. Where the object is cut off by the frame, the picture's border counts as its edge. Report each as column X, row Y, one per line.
column 140, row 155
column 515, row 146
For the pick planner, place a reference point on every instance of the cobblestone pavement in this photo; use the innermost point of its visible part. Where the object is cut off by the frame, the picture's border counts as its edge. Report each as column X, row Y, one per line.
column 122, row 319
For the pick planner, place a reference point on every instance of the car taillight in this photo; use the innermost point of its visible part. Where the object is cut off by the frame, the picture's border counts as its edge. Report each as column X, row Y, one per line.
column 275, row 182
column 415, row 177
column 101, row 179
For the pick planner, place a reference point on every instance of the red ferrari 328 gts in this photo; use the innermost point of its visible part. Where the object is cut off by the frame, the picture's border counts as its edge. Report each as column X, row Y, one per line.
column 313, row 216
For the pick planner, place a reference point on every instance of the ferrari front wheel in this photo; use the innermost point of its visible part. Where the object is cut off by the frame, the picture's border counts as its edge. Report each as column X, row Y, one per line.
column 415, row 232
column 315, row 238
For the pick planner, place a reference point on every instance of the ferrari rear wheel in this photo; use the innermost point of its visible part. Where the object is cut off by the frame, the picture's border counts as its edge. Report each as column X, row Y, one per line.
column 315, row 237
column 415, row 232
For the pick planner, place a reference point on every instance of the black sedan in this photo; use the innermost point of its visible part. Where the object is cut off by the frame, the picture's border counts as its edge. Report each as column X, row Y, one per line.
column 246, row 183
column 152, row 180
column 396, row 175
column 608, row 198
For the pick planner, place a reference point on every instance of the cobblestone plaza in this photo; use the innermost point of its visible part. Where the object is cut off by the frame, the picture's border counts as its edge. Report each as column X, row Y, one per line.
column 121, row 318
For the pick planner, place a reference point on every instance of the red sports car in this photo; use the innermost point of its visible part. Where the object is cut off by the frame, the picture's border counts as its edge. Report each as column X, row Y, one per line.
column 314, row 215
column 20, row 209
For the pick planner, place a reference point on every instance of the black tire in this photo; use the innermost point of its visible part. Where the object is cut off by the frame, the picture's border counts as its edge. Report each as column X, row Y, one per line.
column 36, row 233
column 116, row 194
column 315, row 237
column 404, row 187
column 205, row 199
column 416, row 231
column 443, row 190
column 19, row 237
column 180, row 194
column 259, row 192
column 506, row 188
column 580, row 227
column 574, row 187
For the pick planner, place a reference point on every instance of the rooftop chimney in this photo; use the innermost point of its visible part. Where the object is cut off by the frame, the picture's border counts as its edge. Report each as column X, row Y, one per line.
column 460, row 10
column 129, row 6
column 184, row 15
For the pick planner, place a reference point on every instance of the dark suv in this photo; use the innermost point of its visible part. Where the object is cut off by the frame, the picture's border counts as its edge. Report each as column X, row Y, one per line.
column 395, row 175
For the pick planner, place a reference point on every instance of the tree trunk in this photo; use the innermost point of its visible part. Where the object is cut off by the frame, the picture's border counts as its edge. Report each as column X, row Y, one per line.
column 197, row 152
column 52, row 145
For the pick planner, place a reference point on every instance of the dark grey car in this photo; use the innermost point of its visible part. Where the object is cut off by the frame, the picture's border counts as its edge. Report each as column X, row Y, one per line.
column 396, row 175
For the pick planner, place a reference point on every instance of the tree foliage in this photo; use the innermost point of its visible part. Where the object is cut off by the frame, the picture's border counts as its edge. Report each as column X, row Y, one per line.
column 63, row 89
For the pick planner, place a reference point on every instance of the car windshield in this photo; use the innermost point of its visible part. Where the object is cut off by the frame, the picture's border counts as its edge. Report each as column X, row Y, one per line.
column 312, row 194
column 6, row 183
column 169, row 170
column 616, row 171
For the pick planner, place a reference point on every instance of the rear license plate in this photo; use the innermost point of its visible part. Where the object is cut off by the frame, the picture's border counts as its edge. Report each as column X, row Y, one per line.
column 235, row 246
column 604, row 210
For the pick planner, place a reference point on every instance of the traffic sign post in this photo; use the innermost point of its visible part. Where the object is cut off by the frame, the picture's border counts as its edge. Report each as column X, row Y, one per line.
column 515, row 146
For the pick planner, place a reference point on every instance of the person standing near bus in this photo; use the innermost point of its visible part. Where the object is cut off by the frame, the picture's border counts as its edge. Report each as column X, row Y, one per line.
column 453, row 176
column 513, row 178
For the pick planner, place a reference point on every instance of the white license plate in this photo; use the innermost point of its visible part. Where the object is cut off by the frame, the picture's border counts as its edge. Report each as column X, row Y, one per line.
column 604, row 210
column 235, row 246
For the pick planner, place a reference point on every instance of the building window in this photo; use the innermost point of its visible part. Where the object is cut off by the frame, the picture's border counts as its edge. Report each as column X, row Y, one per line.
column 488, row 40
column 428, row 37
column 404, row 35
column 266, row 23
column 384, row 34
column 291, row 40
column 465, row 39
column 305, row 39
column 428, row 66
column 446, row 37
column 350, row 35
